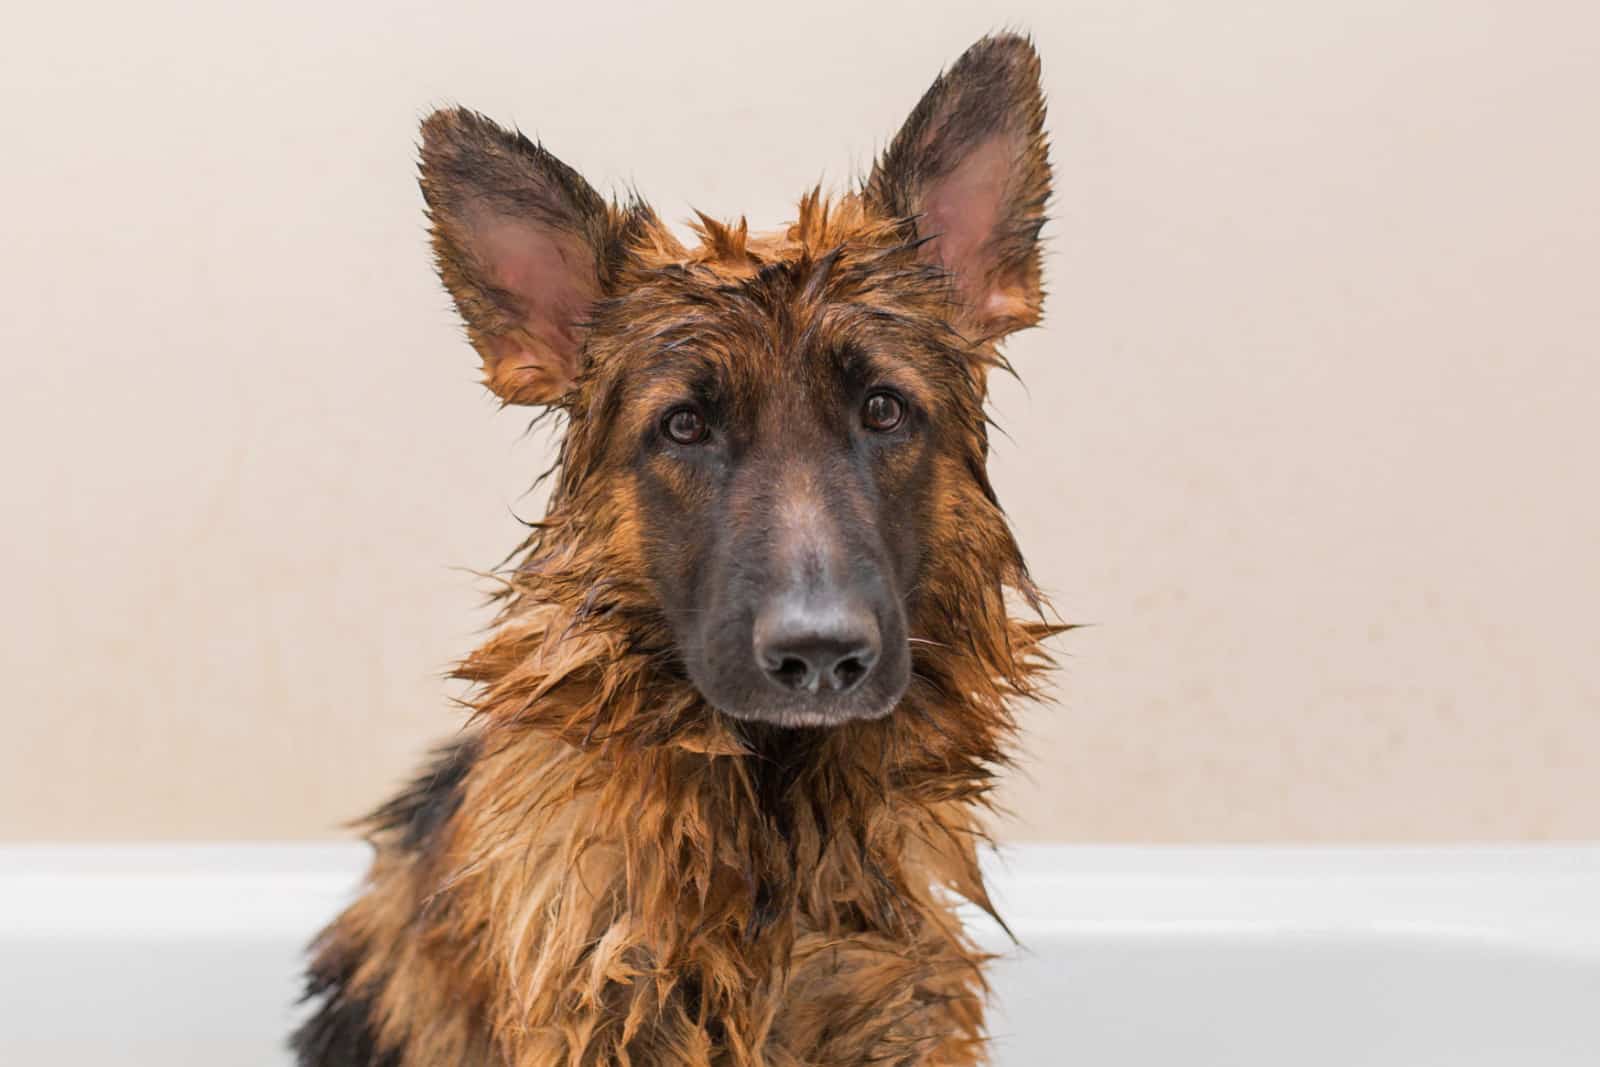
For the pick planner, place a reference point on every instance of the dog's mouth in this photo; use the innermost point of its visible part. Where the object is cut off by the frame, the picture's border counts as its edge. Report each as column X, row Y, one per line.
column 819, row 714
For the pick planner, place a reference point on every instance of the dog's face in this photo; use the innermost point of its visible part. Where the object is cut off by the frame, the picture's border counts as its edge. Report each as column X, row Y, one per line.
column 777, row 431
column 781, row 448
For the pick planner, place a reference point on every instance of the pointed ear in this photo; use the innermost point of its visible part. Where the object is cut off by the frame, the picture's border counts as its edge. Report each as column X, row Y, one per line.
column 520, row 240
column 970, row 171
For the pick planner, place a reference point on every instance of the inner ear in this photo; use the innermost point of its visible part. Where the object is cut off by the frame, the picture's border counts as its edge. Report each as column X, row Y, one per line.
column 962, row 213
column 523, row 244
column 969, row 174
column 546, row 281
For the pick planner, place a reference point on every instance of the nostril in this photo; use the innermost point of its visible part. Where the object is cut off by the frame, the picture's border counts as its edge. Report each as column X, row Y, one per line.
column 791, row 672
column 850, row 670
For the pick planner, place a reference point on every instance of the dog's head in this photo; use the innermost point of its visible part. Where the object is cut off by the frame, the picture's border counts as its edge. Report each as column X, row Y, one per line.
column 780, row 436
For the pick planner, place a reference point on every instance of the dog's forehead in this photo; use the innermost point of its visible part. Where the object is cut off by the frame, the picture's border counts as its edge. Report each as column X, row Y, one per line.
column 735, row 332
column 717, row 308
column 790, row 311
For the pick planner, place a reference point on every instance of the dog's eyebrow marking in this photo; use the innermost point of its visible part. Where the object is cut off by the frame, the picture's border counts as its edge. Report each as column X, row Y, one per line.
column 870, row 367
column 680, row 358
column 653, row 385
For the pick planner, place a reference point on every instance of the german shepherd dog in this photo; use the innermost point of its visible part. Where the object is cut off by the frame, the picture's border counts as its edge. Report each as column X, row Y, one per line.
column 736, row 725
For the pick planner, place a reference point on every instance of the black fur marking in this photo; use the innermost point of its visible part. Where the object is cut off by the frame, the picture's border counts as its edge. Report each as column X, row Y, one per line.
column 425, row 805
column 341, row 1033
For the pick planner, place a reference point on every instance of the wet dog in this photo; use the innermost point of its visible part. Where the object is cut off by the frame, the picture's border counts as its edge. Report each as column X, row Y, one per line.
column 749, row 686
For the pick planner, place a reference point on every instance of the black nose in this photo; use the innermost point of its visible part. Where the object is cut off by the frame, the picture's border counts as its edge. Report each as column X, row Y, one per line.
column 808, row 647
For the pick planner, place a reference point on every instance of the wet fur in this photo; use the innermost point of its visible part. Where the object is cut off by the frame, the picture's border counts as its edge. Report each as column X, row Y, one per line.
column 604, row 870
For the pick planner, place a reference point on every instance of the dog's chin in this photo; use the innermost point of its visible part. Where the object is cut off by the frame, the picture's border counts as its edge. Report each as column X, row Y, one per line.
column 806, row 716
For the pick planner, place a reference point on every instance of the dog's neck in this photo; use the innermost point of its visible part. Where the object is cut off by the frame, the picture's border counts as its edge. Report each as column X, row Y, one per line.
column 591, row 744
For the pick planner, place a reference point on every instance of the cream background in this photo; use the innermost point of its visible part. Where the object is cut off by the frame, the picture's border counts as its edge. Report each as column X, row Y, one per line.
column 1310, row 436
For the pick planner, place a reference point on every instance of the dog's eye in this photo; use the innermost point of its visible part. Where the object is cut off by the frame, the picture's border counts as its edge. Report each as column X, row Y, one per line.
column 883, row 411
column 685, row 426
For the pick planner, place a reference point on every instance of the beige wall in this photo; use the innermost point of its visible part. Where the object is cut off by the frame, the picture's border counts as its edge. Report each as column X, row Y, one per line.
column 1310, row 437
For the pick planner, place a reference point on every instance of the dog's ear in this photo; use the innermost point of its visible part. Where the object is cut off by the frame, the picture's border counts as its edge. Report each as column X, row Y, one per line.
column 970, row 169
column 521, row 242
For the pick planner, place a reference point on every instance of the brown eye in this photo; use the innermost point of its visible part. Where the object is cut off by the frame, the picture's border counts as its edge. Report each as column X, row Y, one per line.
column 684, row 426
column 883, row 411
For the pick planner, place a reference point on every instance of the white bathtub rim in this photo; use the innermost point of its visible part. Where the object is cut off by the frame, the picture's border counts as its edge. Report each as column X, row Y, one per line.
column 1535, row 895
